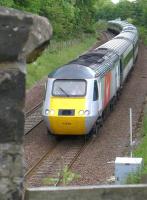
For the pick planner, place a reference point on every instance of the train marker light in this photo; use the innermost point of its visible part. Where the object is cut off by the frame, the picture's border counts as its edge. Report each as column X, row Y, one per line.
column 81, row 112
column 46, row 112
column 87, row 112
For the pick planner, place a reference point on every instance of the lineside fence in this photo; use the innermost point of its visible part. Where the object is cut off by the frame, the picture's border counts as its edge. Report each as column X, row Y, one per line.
column 59, row 45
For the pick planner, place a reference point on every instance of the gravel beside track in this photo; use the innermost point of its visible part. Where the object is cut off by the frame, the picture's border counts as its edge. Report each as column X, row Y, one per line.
column 36, row 144
column 95, row 164
column 35, row 95
column 55, row 161
column 33, row 118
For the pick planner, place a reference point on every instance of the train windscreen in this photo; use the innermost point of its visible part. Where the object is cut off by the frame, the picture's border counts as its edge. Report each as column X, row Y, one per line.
column 69, row 88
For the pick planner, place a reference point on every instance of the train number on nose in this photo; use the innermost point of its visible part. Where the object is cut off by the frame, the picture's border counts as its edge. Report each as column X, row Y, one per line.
column 66, row 123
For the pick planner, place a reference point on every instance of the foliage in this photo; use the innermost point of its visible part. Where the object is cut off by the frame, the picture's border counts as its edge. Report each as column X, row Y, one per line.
column 68, row 17
column 54, row 57
column 64, row 177
column 134, row 178
column 136, row 10
column 143, row 33
column 68, row 176
column 73, row 17
column 7, row 3
column 145, row 125
column 101, row 25
column 142, row 148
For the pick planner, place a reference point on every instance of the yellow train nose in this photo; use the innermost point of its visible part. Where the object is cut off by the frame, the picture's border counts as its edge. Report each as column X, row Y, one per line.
column 66, row 119
column 68, row 125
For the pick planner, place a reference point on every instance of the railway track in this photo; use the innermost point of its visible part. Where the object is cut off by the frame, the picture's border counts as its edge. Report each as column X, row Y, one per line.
column 52, row 163
column 33, row 118
column 108, row 35
column 56, row 157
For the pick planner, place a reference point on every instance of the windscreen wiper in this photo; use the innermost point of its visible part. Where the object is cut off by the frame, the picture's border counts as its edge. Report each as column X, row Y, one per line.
column 64, row 92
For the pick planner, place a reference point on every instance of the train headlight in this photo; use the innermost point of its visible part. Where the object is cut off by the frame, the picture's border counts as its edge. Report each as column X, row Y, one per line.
column 46, row 112
column 87, row 112
column 49, row 112
column 81, row 112
column 52, row 112
column 84, row 112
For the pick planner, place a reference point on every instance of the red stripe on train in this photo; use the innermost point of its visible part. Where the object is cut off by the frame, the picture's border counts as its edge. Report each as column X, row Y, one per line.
column 107, row 87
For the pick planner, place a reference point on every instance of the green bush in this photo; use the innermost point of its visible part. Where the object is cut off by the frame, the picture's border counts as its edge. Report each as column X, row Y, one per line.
column 141, row 150
column 143, row 34
column 65, row 177
column 134, row 178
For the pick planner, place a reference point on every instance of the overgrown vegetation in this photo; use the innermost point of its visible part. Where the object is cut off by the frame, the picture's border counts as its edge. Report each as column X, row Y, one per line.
column 143, row 33
column 68, row 17
column 71, row 18
column 57, row 56
column 141, row 150
column 134, row 178
column 65, row 177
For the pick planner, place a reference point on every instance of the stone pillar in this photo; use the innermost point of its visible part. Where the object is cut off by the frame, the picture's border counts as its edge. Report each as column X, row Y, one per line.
column 22, row 38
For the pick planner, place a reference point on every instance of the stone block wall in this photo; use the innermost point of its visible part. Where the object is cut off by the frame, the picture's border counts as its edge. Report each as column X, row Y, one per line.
column 22, row 39
column 12, row 93
column 11, row 171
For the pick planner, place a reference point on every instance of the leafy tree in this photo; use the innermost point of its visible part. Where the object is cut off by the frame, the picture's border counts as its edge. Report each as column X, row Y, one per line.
column 73, row 17
column 124, row 9
column 7, row 3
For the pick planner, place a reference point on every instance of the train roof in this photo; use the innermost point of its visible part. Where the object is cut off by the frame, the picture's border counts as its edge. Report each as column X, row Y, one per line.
column 116, row 45
column 87, row 66
column 130, row 36
column 100, row 60
column 124, row 25
column 72, row 71
column 121, row 23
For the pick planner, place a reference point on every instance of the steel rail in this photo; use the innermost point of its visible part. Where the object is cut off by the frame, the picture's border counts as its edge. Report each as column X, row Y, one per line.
column 38, row 163
column 28, row 113
column 83, row 147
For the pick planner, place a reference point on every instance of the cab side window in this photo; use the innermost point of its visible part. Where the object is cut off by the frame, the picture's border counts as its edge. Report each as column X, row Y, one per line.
column 95, row 91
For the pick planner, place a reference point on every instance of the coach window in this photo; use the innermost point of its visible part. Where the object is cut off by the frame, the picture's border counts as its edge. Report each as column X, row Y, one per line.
column 95, row 91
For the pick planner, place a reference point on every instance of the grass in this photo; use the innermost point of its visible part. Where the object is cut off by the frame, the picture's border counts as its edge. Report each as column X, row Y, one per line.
column 134, row 178
column 141, row 150
column 143, row 34
column 52, row 59
column 65, row 177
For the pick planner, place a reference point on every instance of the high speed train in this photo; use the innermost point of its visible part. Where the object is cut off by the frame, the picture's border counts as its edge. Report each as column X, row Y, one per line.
column 79, row 93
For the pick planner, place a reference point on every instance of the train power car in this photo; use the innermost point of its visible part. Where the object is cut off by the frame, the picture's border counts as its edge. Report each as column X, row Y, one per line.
column 79, row 93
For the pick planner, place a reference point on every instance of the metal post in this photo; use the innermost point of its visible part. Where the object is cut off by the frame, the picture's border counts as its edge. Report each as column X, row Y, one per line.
column 131, row 134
